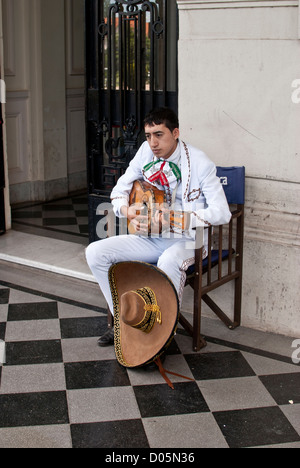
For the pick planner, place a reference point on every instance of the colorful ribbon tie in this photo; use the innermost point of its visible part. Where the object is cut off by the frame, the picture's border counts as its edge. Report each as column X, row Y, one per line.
column 167, row 173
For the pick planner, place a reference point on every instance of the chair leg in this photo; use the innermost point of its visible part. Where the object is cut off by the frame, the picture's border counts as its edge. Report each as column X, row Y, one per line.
column 198, row 340
column 239, row 268
column 238, row 301
column 219, row 312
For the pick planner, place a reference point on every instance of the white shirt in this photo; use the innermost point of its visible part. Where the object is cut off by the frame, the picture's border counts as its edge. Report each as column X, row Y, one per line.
column 200, row 192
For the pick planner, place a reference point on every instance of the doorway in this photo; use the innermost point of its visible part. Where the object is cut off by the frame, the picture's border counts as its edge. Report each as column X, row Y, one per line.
column 43, row 51
column 131, row 67
column 45, row 110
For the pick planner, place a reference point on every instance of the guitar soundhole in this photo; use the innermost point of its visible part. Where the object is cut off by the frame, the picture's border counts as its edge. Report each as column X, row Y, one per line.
column 145, row 209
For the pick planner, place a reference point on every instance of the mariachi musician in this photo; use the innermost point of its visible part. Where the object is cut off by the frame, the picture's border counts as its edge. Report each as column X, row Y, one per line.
column 192, row 196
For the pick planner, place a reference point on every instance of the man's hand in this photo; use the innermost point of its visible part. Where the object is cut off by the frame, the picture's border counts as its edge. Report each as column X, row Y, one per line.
column 160, row 222
column 138, row 221
column 165, row 220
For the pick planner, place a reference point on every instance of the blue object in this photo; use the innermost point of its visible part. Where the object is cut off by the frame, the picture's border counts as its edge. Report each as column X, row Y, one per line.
column 233, row 182
column 214, row 260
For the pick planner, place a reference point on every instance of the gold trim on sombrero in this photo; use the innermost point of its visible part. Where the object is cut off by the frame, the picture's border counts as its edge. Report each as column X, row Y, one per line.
column 152, row 310
column 117, row 333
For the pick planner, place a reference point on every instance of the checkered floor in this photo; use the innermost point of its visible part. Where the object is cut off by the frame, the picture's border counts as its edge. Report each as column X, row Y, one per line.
column 59, row 389
column 65, row 219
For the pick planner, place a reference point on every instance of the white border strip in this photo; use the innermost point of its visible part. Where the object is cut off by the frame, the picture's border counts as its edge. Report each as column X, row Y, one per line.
column 210, row 4
column 298, row 19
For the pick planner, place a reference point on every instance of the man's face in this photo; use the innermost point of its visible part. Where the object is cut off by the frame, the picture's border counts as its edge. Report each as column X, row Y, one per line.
column 161, row 140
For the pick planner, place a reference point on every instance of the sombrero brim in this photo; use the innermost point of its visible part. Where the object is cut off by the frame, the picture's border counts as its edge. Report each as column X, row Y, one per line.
column 133, row 347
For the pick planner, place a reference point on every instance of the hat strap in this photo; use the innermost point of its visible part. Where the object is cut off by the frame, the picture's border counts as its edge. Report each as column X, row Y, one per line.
column 165, row 371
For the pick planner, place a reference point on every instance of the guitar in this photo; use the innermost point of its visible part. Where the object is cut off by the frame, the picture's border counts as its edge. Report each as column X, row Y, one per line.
column 154, row 200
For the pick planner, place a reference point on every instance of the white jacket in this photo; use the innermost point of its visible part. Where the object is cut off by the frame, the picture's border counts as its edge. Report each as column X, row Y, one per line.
column 202, row 193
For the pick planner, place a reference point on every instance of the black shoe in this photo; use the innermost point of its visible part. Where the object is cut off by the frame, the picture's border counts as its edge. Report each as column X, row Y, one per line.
column 107, row 339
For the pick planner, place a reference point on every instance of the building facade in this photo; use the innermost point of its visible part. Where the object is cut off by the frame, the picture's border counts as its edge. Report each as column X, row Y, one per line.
column 239, row 62
column 45, row 108
column 239, row 81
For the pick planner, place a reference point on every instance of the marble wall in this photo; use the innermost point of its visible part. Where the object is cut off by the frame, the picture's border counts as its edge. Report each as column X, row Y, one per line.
column 45, row 112
column 238, row 62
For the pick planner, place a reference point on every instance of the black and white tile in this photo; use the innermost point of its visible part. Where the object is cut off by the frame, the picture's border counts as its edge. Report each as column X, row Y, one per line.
column 59, row 389
column 65, row 219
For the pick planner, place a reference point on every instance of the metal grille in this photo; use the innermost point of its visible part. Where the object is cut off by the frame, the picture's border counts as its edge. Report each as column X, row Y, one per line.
column 131, row 63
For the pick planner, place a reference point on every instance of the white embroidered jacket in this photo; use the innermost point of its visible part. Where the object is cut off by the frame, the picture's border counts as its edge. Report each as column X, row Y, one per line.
column 202, row 193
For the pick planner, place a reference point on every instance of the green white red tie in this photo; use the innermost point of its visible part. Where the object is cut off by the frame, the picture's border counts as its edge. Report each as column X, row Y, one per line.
column 162, row 172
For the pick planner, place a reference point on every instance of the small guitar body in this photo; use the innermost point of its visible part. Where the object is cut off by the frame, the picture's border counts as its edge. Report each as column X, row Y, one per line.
column 148, row 195
column 151, row 197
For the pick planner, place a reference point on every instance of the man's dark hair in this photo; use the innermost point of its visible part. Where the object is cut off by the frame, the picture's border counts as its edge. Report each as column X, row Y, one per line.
column 162, row 116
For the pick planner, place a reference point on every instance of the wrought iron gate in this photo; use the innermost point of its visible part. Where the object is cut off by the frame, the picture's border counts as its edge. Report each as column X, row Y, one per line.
column 2, row 179
column 131, row 67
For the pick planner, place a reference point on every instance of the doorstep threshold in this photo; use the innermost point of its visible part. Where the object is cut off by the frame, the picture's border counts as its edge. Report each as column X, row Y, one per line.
column 43, row 253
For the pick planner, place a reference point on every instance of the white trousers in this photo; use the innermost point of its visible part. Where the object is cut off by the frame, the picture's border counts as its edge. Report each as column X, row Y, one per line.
column 173, row 256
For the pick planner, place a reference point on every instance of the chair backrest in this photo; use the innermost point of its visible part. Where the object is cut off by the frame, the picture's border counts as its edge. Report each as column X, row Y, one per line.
column 233, row 182
column 225, row 242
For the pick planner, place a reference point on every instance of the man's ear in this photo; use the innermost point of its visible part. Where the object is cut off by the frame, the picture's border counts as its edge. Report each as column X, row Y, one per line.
column 176, row 133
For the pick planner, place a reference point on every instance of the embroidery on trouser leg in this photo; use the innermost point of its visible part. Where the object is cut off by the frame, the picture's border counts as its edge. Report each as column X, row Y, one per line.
column 184, row 267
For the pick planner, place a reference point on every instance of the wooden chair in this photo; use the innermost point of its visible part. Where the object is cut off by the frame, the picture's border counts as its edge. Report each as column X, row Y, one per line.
column 225, row 244
column 225, row 255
